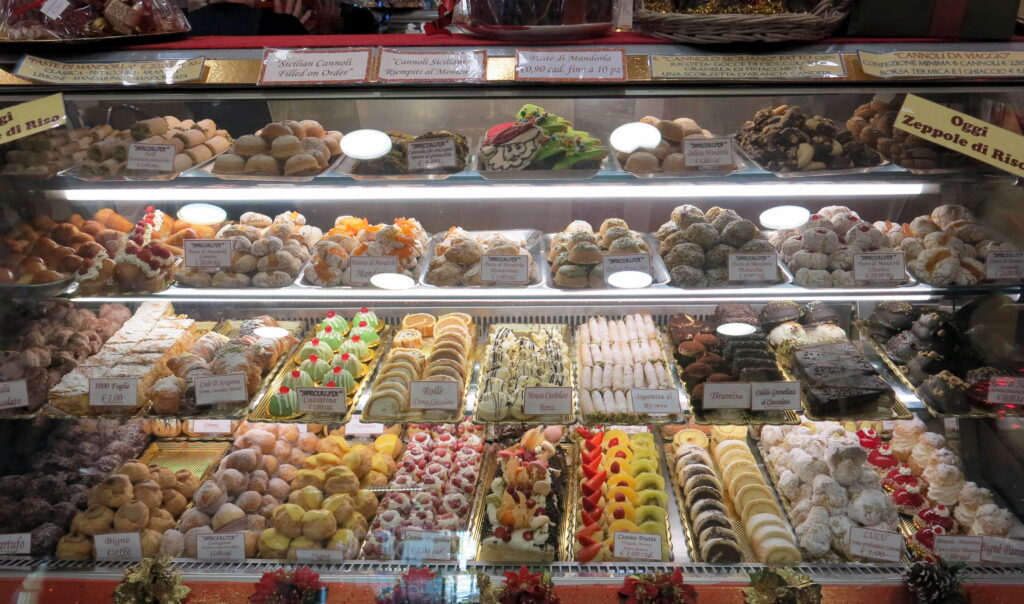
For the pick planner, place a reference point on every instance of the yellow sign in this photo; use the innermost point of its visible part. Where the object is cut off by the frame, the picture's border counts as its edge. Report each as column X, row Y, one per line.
column 942, row 64
column 960, row 132
column 169, row 71
column 748, row 67
column 29, row 118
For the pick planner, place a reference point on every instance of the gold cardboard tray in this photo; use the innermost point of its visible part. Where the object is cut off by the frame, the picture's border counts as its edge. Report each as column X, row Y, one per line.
column 631, row 418
column 261, row 411
column 570, row 497
column 668, row 455
column 230, row 328
column 414, row 415
column 520, row 329
column 722, row 417
column 198, row 457
column 576, row 524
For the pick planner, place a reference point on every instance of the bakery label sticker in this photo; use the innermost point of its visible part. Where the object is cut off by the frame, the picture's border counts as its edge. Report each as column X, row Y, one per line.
column 511, row 269
column 25, row 119
column 708, row 153
column 443, row 396
column 941, row 64
column 1006, row 390
column 13, row 394
column 362, row 268
column 426, row 545
column 962, row 133
column 754, row 268
column 211, row 426
column 726, row 395
column 113, row 392
column 571, row 65
column 631, row 429
column 12, row 544
column 876, row 545
column 637, row 546
column 1003, row 551
column 221, row 547
column 208, row 253
column 958, row 548
column 616, row 263
column 806, row 66
column 319, row 556
column 879, row 267
column 547, row 400
column 54, row 8
column 420, row 66
column 322, row 400
column 356, row 427
column 654, row 401
column 151, row 158
column 431, row 154
column 219, row 389
column 1004, row 266
column 118, row 546
column 319, row 66
column 774, row 396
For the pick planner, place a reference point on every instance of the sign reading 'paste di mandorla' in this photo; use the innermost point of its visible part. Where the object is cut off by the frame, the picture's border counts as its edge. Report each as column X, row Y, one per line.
column 25, row 119
column 961, row 132
column 571, row 65
column 163, row 71
column 283, row 67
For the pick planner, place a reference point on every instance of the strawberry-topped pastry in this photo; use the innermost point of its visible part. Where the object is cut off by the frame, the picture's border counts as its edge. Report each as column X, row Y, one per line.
column 882, row 459
column 909, row 500
column 134, row 261
column 869, row 439
column 936, row 516
column 924, row 539
column 899, row 477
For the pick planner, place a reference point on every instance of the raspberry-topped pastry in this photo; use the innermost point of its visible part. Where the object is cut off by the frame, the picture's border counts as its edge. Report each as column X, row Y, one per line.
column 869, row 439
column 936, row 516
column 899, row 477
column 909, row 499
column 882, row 459
column 925, row 538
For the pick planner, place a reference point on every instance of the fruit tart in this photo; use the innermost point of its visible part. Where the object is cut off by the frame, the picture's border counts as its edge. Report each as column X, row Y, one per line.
column 909, row 500
column 936, row 516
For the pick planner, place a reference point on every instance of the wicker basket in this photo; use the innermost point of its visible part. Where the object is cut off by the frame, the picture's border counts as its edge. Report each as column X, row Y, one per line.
column 728, row 28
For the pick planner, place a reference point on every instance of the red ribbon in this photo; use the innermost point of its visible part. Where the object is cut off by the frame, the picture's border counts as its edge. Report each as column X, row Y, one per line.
column 17, row 12
column 948, row 18
column 445, row 12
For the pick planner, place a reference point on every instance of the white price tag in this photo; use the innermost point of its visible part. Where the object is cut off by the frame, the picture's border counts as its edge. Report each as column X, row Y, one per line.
column 118, row 546
column 1006, row 390
column 614, row 263
column 876, row 545
column 958, row 548
column 442, row 396
column 879, row 267
column 54, row 8
column 774, row 396
column 13, row 394
column 571, row 65
column 113, row 392
column 541, row 400
column 151, row 158
column 362, row 268
column 1004, row 266
column 754, row 268
column 208, row 253
column 631, row 429
column 726, row 395
column 356, row 427
column 420, row 66
column 708, row 152
column 1003, row 551
column 319, row 66
column 211, row 426
column 513, row 269
column 322, row 400
column 15, row 543
column 319, row 556
column 431, row 154
column 426, row 545
column 219, row 389
column 637, row 546
column 221, row 547
column 654, row 401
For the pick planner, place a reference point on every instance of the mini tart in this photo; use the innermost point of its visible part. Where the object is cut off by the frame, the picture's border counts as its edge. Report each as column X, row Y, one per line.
column 899, row 477
column 869, row 439
column 935, row 516
column 909, row 500
column 923, row 540
column 882, row 460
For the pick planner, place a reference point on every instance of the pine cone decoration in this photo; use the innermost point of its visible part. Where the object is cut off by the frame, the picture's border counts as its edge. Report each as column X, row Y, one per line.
column 935, row 582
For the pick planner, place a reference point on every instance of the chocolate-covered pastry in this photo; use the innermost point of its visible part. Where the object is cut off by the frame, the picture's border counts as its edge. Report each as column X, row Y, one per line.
column 925, row 364
column 778, row 312
column 891, row 317
column 731, row 312
column 902, row 347
column 818, row 313
column 837, row 379
column 945, row 392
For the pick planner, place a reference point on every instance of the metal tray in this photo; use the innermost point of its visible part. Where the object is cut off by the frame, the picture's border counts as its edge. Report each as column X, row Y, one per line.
column 206, row 170
column 585, row 174
column 38, row 291
column 740, row 164
column 813, row 173
column 660, row 276
column 534, row 245
column 785, row 277
column 480, row 368
column 418, row 273
column 346, row 166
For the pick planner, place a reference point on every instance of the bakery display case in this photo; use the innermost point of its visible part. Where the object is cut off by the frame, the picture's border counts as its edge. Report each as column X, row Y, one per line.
column 594, row 329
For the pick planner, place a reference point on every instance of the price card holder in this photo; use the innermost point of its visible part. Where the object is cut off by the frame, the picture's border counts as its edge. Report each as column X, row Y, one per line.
column 322, row 66
column 1002, row 551
column 541, row 400
column 427, row 545
column 399, row 66
column 656, row 401
column 1004, row 266
column 363, row 268
column 958, row 547
column 637, row 546
column 208, row 253
column 438, row 396
column 221, row 547
column 709, row 153
column 726, row 395
column 571, row 65
column 319, row 556
column 875, row 545
column 13, row 544
column 118, row 546
column 356, row 427
column 113, row 392
column 505, row 269
column 431, row 154
column 615, row 263
column 322, row 400
column 13, row 394
column 631, row 429
column 879, row 267
column 211, row 426
column 221, row 389
column 1006, row 390
column 774, row 396
column 151, row 158
column 754, row 268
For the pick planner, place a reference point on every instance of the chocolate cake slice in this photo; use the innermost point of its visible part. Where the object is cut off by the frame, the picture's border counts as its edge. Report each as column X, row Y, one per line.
column 837, row 379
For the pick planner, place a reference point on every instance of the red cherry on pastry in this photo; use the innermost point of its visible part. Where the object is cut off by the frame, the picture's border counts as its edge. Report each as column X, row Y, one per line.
column 936, row 516
column 869, row 439
column 926, row 536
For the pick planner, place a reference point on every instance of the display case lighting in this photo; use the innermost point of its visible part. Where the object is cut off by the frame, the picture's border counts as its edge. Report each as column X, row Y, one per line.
column 502, row 191
column 392, row 281
column 629, row 279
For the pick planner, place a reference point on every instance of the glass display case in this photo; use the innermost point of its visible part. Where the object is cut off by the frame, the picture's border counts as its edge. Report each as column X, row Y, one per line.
column 594, row 328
